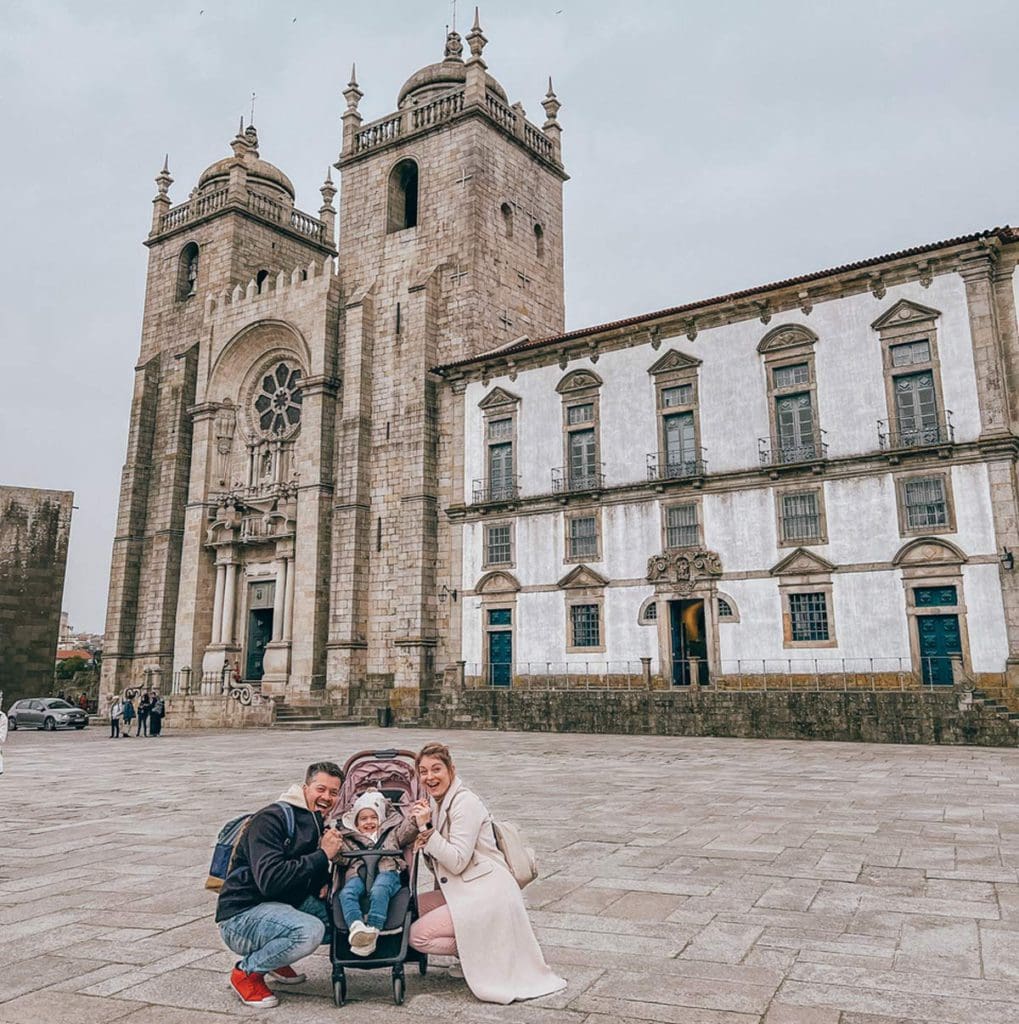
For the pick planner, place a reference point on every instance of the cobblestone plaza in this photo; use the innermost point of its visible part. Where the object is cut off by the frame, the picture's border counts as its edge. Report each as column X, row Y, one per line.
column 689, row 881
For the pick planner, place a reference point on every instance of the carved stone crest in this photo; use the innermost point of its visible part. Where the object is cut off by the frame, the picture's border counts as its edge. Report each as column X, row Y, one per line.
column 683, row 569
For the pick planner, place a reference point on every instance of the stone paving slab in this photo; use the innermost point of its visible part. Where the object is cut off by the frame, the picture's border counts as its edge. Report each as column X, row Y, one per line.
column 684, row 880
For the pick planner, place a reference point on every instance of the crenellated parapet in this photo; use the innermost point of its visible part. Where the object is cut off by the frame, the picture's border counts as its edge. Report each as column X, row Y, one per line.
column 275, row 293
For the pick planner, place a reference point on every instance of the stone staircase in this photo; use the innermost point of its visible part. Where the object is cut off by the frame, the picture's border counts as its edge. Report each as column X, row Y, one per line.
column 1003, row 701
column 306, row 717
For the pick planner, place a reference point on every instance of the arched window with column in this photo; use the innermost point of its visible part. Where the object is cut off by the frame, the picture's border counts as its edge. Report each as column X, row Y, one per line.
column 402, row 207
column 187, row 272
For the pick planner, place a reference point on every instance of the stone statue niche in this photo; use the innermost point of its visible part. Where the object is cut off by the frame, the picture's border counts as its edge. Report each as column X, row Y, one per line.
column 225, row 426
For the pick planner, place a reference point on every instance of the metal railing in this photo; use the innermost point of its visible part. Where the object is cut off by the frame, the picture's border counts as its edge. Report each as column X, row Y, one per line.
column 877, row 674
column 918, row 437
column 498, row 490
column 568, row 480
column 676, row 468
column 791, row 454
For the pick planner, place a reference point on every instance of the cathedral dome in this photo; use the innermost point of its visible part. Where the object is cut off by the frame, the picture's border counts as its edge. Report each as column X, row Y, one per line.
column 260, row 172
column 436, row 79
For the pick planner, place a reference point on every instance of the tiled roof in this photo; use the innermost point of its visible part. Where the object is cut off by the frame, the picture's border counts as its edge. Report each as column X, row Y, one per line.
column 1005, row 234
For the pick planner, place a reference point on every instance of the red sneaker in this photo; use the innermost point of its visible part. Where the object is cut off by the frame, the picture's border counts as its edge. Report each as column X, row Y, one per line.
column 251, row 989
column 286, row 976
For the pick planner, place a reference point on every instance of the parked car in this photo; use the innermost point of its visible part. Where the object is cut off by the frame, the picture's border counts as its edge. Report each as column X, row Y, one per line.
column 45, row 713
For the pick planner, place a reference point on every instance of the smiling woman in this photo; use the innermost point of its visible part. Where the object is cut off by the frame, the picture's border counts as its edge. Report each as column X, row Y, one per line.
column 476, row 910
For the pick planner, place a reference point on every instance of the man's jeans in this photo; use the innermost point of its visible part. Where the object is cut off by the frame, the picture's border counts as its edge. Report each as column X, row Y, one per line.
column 273, row 935
column 384, row 888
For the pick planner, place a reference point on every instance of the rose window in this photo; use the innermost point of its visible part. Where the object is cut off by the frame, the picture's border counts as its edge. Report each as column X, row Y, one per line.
column 278, row 402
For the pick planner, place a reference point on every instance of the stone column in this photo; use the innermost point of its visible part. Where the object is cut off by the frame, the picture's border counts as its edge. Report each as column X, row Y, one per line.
column 288, row 604
column 217, row 607
column 282, row 583
column 229, row 604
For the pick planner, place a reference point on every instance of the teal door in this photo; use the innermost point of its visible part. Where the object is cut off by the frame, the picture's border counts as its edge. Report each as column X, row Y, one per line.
column 500, row 647
column 259, row 634
column 939, row 640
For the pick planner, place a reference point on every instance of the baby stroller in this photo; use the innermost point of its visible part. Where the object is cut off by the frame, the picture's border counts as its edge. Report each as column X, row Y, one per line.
column 393, row 773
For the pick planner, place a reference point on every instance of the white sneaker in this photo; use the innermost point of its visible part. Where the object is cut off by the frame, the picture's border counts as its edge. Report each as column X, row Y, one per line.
column 455, row 970
column 362, row 939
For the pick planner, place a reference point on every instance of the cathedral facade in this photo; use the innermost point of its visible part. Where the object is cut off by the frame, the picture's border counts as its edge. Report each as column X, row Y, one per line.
column 384, row 463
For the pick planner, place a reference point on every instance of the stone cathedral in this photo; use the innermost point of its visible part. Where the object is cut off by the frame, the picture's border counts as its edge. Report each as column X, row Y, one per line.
column 279, row 506
column 364, row 471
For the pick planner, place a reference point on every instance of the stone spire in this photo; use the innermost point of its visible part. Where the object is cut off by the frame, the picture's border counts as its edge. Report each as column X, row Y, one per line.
column 242, row 145
column 552, row 128
column 327, row 212
column 474, row 91
column 161, row 204
column 351, row 117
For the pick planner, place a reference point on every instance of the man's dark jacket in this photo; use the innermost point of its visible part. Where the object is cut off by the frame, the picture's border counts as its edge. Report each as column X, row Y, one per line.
column 267, row 868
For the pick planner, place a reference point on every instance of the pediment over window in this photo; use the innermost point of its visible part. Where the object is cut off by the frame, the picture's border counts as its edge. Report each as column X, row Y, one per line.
column 787, row 336
column 578, row 380
column 929, row 551
column 582, row 577
column 802, row 562
column 497, row 398
column 673, row 361
column 497, row 583
column 903, row 314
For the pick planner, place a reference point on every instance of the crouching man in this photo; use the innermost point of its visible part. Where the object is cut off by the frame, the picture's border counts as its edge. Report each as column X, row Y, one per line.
column 272, row 909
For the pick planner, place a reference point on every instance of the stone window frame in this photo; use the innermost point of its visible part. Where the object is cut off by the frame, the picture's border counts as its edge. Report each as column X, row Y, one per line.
column 584, row 586
column 905, row 530
column 938, row 563
column 804, row 572
column 499, row 404
column 675, row 369
column 822, row 517
column 392, row 185
column 733, row 608
column 594, row 513
column 906, row 322
column 498, row 592
column 486, row 563
column 790, row 345
column 691, row 499
column 506, row 211
column 580, row 387
column 650, row 604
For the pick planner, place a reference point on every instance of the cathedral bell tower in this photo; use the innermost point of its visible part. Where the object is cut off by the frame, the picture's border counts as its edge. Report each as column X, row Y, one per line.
column 451, row 244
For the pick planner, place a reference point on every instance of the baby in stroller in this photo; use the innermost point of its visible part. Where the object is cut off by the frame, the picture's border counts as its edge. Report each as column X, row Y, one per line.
column 371, row 824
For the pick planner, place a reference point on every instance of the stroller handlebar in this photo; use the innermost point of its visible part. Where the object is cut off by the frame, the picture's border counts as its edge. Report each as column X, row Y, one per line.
column 369, row 853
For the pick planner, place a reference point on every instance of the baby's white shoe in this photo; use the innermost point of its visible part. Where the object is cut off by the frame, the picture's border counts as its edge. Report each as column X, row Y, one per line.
column 362, row 939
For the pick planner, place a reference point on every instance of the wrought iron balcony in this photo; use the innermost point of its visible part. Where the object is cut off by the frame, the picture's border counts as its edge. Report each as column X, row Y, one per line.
column 790, row 454
column 567, row 480
column 495, row 490
column 936, row 436
column 664, row 467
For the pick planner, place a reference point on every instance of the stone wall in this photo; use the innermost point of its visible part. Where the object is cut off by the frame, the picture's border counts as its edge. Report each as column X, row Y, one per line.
column 195, row 712
column 34, row 530
column 947, row 716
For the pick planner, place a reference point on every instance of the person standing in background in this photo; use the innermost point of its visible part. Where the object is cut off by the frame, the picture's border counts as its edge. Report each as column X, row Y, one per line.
column 116, row 710
column 156, row 712
column 3, row 731
column 128, row 715
column 144, row 707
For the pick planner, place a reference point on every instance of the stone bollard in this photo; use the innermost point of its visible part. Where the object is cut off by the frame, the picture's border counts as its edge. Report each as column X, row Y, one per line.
column 695, row 674
column 645, row 671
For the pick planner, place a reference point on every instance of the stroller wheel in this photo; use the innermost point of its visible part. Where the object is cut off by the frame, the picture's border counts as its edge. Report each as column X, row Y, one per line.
column 340, row 991
column 399, row 988
column 423, row 965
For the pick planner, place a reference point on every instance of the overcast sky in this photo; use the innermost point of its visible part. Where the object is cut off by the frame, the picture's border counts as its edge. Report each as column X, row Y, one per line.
column 712, row 146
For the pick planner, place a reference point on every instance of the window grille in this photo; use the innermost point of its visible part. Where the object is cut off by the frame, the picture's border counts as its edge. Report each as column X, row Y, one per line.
column 580, row 414
column 500, row 430
column 910, row 353
column 650, row 613
column 789, row 376
column 500, row 616
column 926, row 505
column 809, row 616
column 586, row 627
column 498, row 540
column 724, row 609
column 583, row 537
column 682, row 394
column 800, row 516
column 681, row 526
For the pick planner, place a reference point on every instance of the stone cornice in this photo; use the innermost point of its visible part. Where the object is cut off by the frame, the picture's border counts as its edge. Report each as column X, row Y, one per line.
column 897, row 461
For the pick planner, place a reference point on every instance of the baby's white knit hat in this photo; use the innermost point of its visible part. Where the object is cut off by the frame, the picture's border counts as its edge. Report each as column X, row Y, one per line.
column 373, row 800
